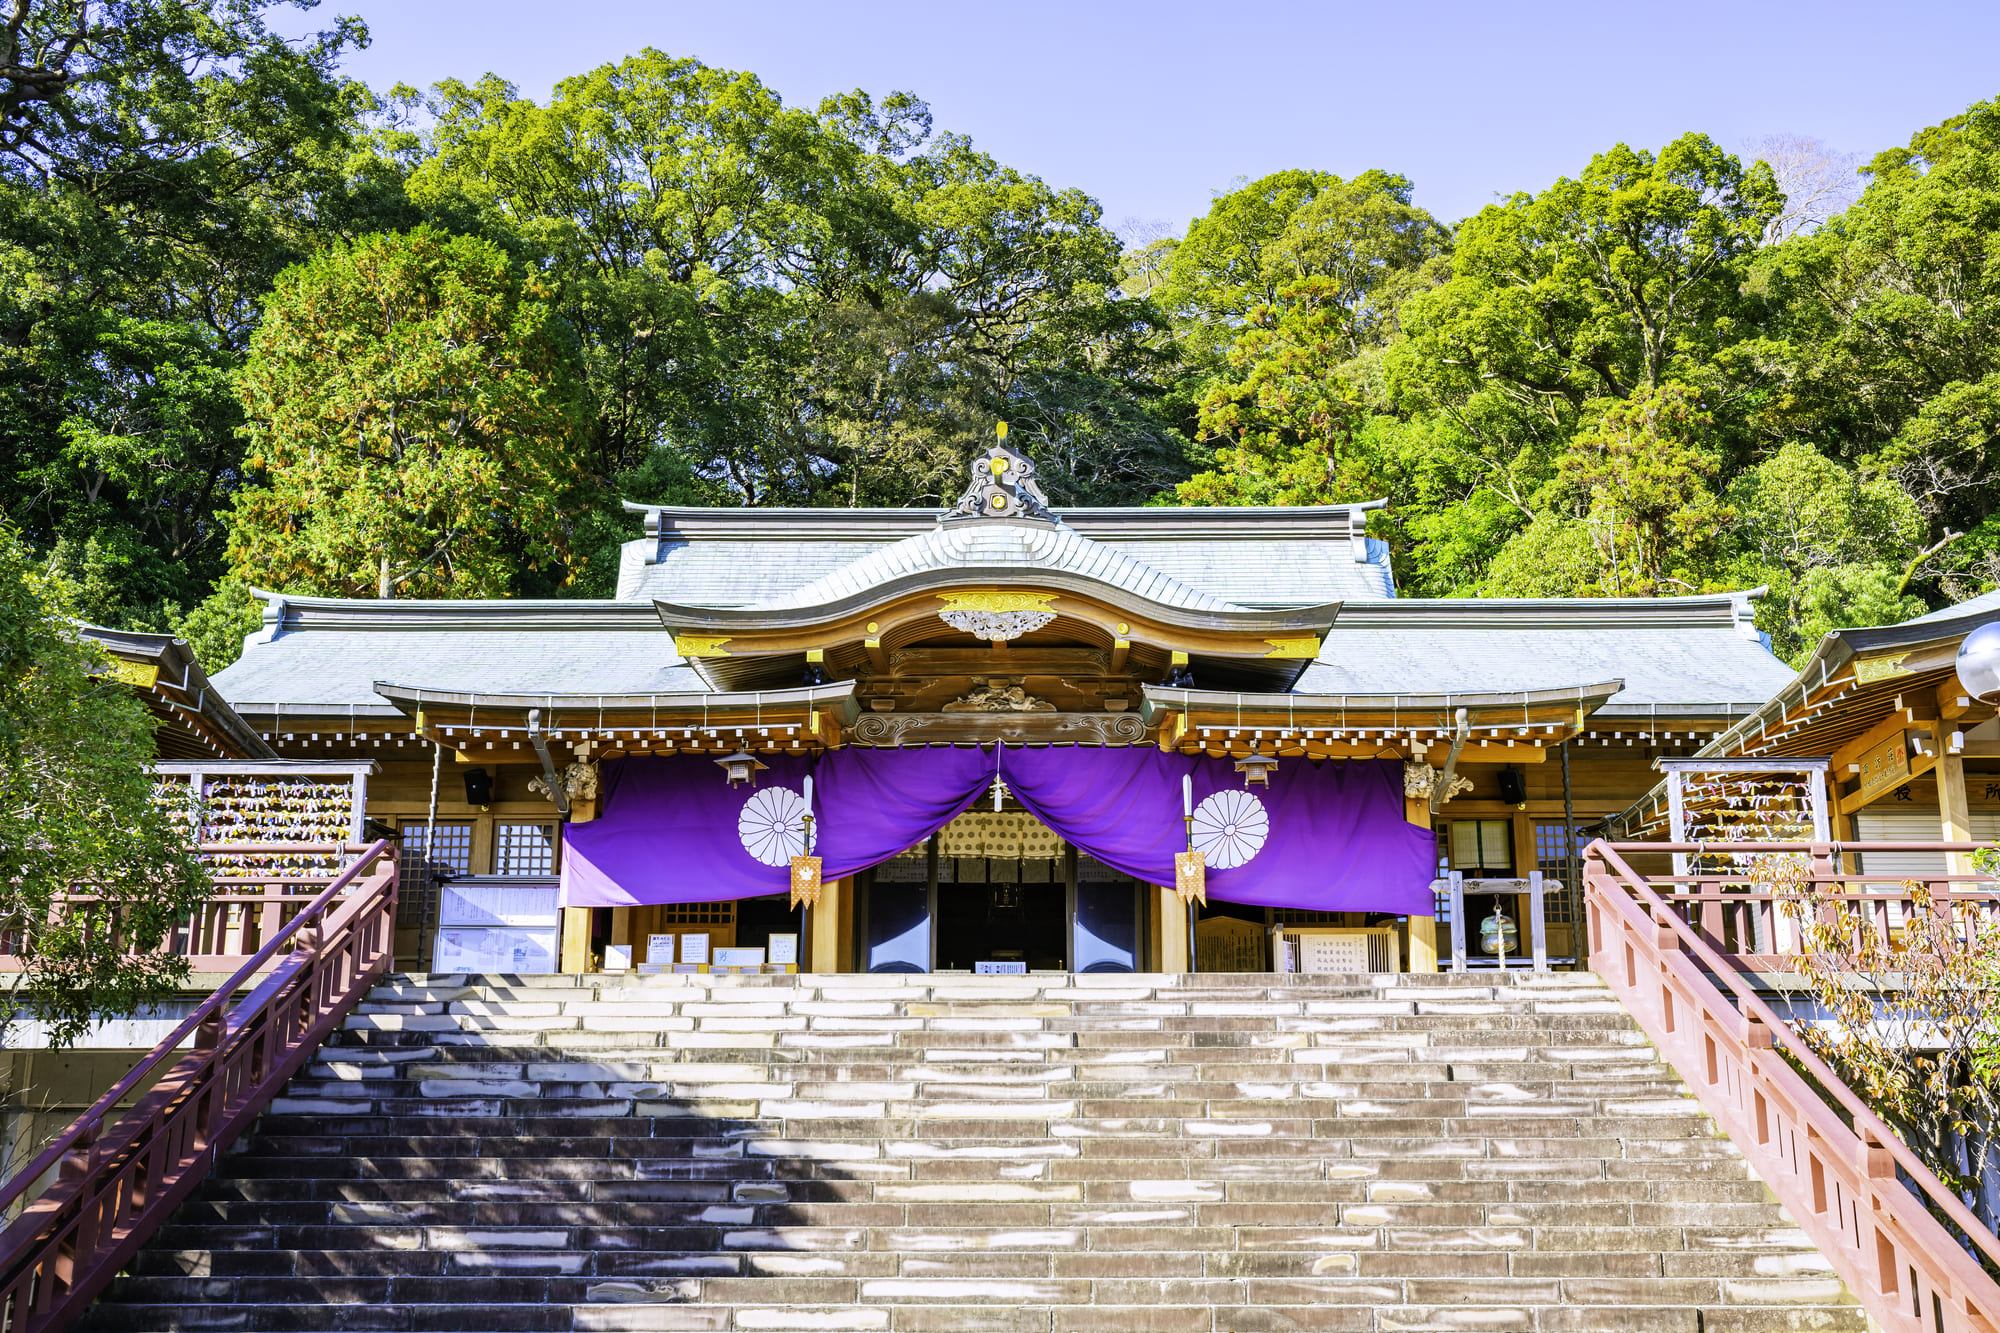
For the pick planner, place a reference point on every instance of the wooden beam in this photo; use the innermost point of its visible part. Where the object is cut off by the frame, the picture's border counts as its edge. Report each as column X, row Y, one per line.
column 876, row 657
column 1952, row 700
column 1850, row 754
column 1120, row 648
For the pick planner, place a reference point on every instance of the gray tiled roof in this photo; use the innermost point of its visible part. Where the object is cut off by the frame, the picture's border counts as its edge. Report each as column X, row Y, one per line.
column 1670, row 652
column 1986, row 601
column 324, row 655
column 1268, row 573
column 1261, row 557
column 983, row 545
column 731, row 573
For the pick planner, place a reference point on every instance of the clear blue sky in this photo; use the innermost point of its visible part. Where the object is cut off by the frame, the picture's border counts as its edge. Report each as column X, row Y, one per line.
column 1154, row 107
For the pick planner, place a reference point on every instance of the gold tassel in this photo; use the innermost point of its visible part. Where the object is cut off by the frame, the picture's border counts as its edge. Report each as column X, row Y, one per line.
column 805, row 881
column 1190, row 877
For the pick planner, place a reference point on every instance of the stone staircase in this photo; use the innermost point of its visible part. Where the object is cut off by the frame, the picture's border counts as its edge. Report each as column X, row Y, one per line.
column 1134, row 1154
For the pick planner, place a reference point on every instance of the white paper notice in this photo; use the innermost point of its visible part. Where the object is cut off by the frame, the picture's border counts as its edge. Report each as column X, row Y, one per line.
column 1333, row 953
column 482, row 949
column 694, row 948
column 617, row 958
column 785, row 949
column 739, row 957
column 1000, row 969
column 660, row 949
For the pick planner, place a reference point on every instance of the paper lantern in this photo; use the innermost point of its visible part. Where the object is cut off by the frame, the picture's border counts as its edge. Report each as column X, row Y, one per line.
column 1190, row 878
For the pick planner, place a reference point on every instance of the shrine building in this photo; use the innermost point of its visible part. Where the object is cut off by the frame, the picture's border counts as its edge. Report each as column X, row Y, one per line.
column 992, row 729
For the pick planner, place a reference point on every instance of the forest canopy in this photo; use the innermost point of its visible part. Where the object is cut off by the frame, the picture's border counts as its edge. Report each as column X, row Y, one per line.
column 264, row 325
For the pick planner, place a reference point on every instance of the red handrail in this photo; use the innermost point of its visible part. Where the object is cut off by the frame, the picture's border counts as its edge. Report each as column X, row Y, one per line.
column 116, row 1188
column 1837, row 1178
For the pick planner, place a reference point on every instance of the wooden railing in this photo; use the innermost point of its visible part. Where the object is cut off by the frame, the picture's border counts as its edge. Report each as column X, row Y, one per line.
column 1835, row 1166
column 251, row 903
column 1742, row 921
column 121, row 1176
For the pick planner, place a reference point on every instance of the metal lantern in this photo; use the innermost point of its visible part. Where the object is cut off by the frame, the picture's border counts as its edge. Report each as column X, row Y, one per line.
column 1256, row 769
column 741, row 767
column 1979, row 663
column 1191, row 877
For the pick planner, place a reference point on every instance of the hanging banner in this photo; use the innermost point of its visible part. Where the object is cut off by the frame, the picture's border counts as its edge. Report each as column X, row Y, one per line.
column 1326, row 837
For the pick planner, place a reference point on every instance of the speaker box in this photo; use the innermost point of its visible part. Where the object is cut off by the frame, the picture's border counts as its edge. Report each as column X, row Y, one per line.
column 478, row 787
column 1513, row 786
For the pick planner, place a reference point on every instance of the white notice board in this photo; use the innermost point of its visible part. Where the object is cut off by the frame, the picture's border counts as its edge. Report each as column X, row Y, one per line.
column 494, row 949
column 1332, row 953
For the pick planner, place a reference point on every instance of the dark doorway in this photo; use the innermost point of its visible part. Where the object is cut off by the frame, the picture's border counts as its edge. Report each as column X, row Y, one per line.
column 999, row 919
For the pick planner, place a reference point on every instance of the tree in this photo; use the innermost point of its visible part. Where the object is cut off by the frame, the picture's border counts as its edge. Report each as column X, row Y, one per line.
column 1642, row 472
column 1891, row 358
column 1817, row 182
column 160, row 162
column 94, row 874
column 822, row 305
column 413, row 407
column 1837, row 547
column 1289, row 417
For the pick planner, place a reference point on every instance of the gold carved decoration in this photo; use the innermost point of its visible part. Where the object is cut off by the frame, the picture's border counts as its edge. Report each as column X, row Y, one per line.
column 996, row 602
column 1307, row 648
column 691, row 646
column 1871, row 669
column 143, row 675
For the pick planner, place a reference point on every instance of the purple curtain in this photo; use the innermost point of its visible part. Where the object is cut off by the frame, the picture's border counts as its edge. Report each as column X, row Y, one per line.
column 673, row 832
column 1326, row 837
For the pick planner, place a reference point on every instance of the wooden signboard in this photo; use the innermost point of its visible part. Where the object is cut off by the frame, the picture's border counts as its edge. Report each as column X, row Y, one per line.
column 1885, row 768
column 1226, row 944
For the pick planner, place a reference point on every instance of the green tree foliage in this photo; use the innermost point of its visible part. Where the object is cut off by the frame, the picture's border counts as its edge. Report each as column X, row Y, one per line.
column 1675, row 370
column 820, row 306
column 412, row 408
column 159, row 163
column 1288, row 413
column 77, row 815
column 1894, row 355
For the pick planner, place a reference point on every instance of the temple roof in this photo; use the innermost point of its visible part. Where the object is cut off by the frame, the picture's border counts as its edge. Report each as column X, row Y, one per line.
column 193, row 716
column 1673, row 653
column 322, row 655
column 1015, row 548
column 1263, row 557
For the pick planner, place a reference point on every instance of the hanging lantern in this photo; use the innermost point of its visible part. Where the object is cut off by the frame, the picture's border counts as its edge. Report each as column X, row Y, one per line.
column 1979, row 663
column 1256, row 769
column 1190, row 877
column 741, row 767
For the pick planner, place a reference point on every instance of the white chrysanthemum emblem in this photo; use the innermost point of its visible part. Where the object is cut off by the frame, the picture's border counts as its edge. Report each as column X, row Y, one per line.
column 1230, row 828
column 772, row 826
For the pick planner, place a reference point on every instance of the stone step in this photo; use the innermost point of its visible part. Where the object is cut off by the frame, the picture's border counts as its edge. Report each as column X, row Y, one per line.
column 940, row 1153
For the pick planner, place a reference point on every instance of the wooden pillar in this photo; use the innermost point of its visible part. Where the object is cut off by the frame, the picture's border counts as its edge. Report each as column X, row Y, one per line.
column 573, row 953
column 575, row 939
column 1953, row 809
column 833, row 926
column 1423, row 929
column 1170, row 918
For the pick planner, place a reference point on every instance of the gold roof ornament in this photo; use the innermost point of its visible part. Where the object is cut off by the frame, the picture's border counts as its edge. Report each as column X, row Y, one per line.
column 996, row 616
